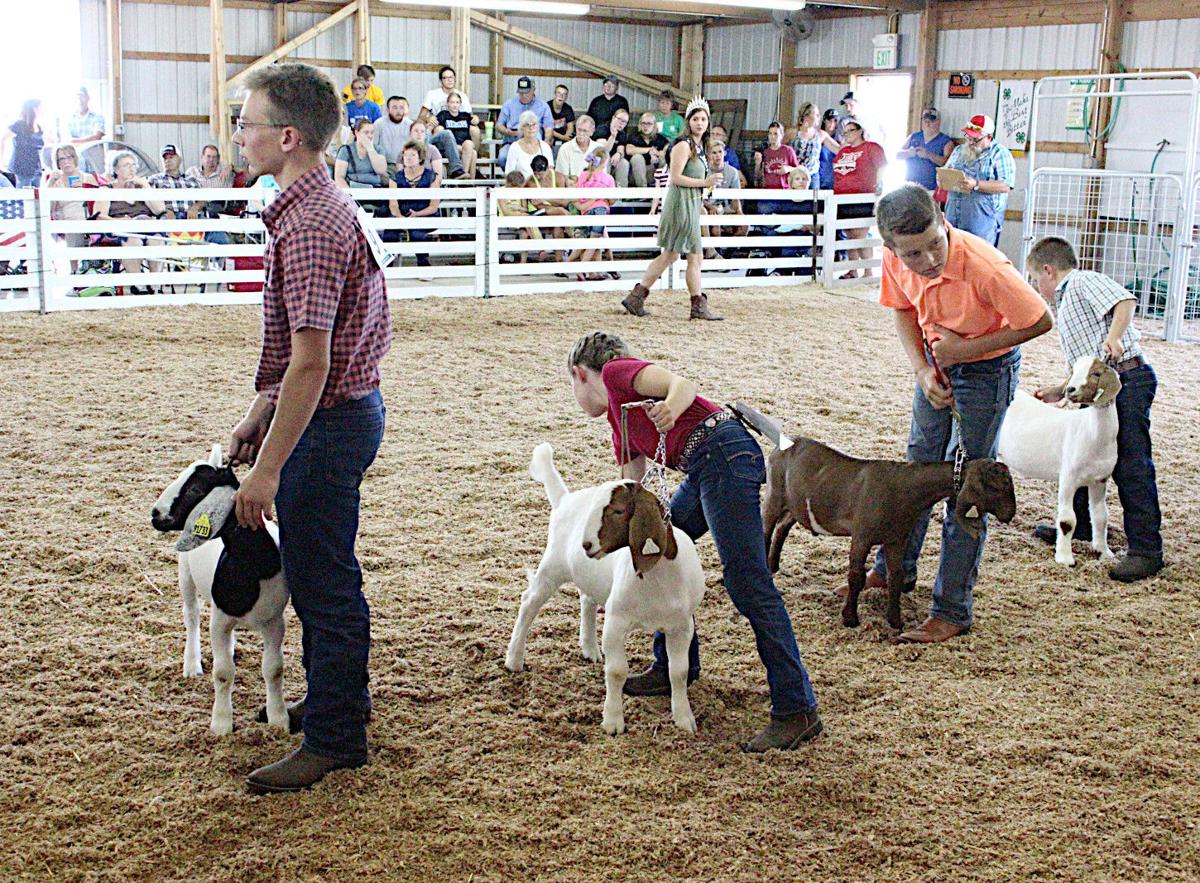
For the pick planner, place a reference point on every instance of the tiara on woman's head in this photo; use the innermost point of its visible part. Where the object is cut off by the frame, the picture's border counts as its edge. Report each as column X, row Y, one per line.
column 697, row 103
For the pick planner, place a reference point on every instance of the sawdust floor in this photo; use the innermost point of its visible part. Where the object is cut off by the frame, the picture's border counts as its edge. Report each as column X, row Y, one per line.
column 1056, row 741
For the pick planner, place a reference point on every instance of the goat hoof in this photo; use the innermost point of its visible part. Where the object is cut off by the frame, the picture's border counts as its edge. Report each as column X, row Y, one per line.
column 687, row 724
column 593, row 655
column 850, row 622
column 514, row 665
column 193, row 671
column 220, row 728
column 1066, row 561
column 614, row 727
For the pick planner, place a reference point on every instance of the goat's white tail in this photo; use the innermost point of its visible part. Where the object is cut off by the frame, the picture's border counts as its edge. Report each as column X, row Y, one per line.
column 214, row 457
column 541, row 468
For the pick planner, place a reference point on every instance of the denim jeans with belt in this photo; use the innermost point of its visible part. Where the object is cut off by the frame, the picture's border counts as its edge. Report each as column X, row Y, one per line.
column 982, row 393
column 721, row 494
column 1134, row 473
column 317, row 505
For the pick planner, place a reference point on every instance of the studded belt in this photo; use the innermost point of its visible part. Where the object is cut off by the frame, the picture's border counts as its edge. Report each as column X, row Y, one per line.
column 696, row 437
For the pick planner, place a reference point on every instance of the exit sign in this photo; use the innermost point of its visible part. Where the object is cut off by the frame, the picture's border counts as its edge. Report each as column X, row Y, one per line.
column 885, row 58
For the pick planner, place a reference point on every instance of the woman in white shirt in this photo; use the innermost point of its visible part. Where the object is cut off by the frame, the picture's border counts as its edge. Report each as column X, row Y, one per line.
column 524, row 149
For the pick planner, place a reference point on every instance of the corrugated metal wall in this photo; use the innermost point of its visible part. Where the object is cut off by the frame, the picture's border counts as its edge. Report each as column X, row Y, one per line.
column 1173, row 43
column 744, row 49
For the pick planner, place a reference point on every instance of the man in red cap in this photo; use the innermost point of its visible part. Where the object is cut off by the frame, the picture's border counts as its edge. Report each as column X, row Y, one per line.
column 978, row 205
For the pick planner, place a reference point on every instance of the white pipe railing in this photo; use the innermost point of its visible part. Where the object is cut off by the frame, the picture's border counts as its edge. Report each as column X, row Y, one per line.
column 469, row 246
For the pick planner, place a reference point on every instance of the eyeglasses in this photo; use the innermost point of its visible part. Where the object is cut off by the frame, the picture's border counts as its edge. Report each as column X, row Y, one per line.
column 242, row 125
column 447, row 76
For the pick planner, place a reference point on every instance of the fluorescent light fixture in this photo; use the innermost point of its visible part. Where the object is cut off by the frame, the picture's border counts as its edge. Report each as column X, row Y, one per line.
column 783, row 5
column 547, row 7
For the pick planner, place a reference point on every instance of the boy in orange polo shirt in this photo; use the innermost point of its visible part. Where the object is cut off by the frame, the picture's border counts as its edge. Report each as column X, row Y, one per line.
column 960, row 297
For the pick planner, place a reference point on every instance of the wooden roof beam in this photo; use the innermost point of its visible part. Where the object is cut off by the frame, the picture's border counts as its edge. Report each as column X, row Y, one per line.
column 282, row 52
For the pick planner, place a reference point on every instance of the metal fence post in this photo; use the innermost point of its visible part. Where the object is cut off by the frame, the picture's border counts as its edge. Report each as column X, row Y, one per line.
column 828, row 239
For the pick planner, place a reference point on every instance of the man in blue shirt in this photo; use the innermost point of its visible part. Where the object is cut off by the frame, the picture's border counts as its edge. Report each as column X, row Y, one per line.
column 926, row 150
column 508, row 123
column 979, row 204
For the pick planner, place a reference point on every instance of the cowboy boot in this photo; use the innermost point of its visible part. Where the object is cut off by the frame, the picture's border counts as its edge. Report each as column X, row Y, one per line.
column 700, row 309
column 635, row 301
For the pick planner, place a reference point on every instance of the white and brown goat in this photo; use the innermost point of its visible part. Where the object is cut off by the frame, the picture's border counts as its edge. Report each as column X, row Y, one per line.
column 875, row 503
column 612, row 542
column 1076, row 447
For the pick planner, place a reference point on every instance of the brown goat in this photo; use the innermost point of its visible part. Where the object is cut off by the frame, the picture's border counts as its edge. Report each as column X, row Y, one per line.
column 874, row 502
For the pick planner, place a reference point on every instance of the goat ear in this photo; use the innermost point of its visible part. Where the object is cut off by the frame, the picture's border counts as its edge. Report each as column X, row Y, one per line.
column 648, row 538
column 969, row 502
column 1109, row 387
column 206, row 520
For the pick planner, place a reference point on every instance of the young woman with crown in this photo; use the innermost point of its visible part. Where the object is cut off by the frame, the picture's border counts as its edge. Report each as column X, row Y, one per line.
column 679, row 228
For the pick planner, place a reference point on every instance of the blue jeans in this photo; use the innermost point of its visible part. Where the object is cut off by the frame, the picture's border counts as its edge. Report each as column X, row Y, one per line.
column 982, row 393
column 448, row 148
column 318, row 502
column 1134, row 473
column 721, row 494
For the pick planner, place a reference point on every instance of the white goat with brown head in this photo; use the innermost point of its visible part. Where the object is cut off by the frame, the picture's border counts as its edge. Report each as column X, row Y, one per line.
column 1077, row 447
column 612, row 542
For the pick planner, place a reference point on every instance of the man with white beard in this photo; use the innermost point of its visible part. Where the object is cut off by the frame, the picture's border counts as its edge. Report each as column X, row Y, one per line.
column 978, row 206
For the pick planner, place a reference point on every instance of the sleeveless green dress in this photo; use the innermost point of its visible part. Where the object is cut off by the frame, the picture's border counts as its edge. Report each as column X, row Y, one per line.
column 679, row 229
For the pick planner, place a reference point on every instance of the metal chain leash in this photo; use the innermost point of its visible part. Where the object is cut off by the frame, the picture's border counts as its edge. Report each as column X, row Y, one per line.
column 654, row 479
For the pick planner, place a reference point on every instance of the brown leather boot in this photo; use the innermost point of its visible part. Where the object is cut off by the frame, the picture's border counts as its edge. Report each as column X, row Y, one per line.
column 635, row 301
column 700, row 310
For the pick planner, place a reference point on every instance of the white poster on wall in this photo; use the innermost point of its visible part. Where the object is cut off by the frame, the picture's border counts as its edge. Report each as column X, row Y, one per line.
column 1014, row 105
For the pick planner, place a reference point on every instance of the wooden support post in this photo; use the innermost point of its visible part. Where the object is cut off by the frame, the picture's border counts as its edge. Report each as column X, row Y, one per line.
column 112, row 12
column 1111, row 34
column 923, row 82
column 691, row 59
column 282, row 51
column 281, row 29
column 496, row 65
column 787, row 86
column 362, row 33
column 218, row 115
column 460, row 45
column 577, row 57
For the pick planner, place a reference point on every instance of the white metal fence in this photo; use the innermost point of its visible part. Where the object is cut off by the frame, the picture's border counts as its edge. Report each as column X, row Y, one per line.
column 1135, row 224
column 472, row 244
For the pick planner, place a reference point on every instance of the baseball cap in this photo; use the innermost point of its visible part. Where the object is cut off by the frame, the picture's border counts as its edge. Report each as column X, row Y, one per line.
column 612, row 78
column 979, row 125
column 169, row 148
column 524, row 84
column 930, row 113
column 849, row 96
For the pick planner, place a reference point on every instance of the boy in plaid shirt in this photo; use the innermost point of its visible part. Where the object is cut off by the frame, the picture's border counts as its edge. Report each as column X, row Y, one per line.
column 1094, row 319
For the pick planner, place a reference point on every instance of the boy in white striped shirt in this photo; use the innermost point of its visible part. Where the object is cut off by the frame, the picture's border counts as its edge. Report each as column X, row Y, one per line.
column 1094, row 318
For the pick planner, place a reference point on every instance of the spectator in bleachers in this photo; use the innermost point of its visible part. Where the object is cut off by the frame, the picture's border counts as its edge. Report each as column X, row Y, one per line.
column 858, row 168
column 366, row 73
column 392, row 131
column 573, row 154
column 606, row 104
column 433, row 157
column 595, row 175
column 990, row 175
column 27, row 139
column 85, row 126
column 667, row 119
column 807, row 143
column 926, row 150
column 517, row 208
column 778, row 160
column 125, row 177
column 360, row 164
column 509, row 121
column 360, row 106
column 545, row 176
column 715, row 203
column 341, row 137
column 719, row 133
column 646, row 150
column 69, row 175
column 530, row 144
column 212, row 172
column 459, row 123
column 173, row 178
column 830, row 145
column 615, row 143
column 447, row 142
column 414, row 173
column 564, row 118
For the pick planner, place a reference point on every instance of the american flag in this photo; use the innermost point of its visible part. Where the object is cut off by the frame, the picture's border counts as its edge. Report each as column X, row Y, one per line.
column 11, row 210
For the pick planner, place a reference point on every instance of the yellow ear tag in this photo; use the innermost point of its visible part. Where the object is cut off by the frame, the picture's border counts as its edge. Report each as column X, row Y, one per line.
column 202, row 527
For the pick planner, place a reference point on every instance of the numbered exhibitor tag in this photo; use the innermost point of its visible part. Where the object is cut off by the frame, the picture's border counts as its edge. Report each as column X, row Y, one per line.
column 378, row 249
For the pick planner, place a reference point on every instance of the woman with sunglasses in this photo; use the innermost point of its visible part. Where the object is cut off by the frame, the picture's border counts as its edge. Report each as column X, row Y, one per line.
column 69, row 175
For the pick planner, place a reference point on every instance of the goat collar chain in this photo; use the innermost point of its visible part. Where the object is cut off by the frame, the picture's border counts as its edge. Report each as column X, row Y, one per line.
column 655, row 477
column 960, row 460
column 960, row 454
